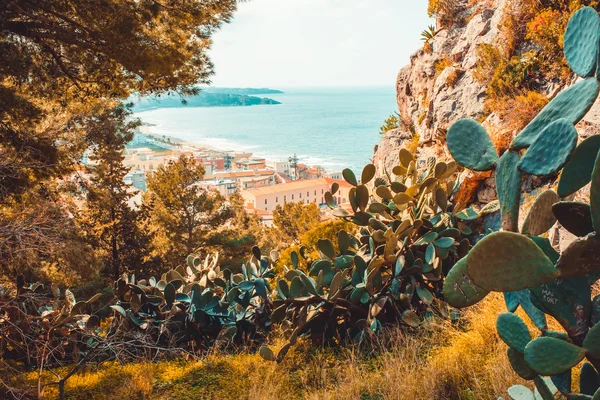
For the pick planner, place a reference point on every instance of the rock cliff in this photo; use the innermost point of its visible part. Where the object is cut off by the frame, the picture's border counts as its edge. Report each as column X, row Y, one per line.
column 439, row 87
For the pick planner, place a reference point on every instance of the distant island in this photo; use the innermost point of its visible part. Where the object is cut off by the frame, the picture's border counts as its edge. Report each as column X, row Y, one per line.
column 209, row 97
column 240, row 91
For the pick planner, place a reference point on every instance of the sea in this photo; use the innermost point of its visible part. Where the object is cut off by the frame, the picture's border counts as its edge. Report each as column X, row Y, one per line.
column 335, row 128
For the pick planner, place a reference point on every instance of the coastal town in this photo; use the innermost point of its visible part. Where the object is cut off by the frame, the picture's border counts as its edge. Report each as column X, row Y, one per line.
column 263, row 184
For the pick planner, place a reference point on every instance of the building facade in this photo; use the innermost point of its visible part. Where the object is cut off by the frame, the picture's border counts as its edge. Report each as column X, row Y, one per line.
column 303, row 191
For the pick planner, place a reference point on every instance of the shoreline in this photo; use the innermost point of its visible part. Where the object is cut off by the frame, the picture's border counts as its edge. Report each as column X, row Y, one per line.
column 147, row 130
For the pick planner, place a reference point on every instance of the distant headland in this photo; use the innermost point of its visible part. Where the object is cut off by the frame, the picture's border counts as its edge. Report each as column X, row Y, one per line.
column 240, row 91
column 209, row 97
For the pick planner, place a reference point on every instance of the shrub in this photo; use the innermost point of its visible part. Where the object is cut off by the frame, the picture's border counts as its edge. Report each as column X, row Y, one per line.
column 446, row 12
column 392, row 122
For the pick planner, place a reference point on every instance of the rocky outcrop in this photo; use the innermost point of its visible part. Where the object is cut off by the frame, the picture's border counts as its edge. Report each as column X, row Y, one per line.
column 439, row 87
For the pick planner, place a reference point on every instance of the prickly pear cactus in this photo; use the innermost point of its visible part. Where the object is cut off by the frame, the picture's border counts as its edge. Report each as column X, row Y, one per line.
column 394, row 271
column 524, row 265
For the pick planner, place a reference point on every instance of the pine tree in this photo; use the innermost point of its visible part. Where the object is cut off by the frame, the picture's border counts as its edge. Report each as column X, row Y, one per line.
column 111, row 223
column 183, row 216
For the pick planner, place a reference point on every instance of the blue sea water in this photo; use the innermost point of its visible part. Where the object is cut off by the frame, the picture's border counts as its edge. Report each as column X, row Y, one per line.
column 332, row 127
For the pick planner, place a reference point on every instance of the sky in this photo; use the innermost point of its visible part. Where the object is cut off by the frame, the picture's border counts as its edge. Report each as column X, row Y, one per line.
column 302, row 43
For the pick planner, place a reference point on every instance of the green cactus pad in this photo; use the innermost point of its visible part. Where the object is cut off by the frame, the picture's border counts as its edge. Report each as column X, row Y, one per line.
column 459, row 289
column 563, row 382
column 540, row 218
column 513, row 331
column 518, row 364
column 546, row 246
column 581, row 257
column 578, row 171
column 581, row 41
column 471, row 146
column 508, row 185
column 572, row 104
column 507, row 262
column 568, row 301
column 512, row 301
column 595, row 195
column 589, row 381
column 550, row 356
column 534, row 313
column 591, row 344
column 551, row 149
column 574, row 217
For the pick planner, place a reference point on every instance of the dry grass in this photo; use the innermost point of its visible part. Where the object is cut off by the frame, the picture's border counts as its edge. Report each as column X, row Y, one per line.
column 440, row 361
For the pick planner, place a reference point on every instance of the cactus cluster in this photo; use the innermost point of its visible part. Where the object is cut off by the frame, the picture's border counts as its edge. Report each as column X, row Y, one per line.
column 42, row 325
column 523, row 264
column 393, row 271
column 199, row 303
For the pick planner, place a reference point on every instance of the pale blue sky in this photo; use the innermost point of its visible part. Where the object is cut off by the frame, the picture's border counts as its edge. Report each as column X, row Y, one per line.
column 287, row 43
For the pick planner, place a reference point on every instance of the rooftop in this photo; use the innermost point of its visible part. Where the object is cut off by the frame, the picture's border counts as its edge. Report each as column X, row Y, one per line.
column 297, row 185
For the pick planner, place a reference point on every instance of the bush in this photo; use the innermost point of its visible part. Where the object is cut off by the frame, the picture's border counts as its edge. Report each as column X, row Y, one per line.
column 446, row 12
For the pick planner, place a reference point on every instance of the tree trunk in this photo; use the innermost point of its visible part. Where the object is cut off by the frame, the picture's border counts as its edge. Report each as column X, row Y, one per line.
column 115, row 253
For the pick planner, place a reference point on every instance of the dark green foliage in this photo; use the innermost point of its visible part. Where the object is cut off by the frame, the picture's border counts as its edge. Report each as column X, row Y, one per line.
column 578, row 171
column 574, row 216
column 589, row 381
column 517, row 362
column 471, row 146
column 568, row 301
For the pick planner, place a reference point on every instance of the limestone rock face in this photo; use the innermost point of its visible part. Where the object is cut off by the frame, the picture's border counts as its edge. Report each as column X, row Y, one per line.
column 439, row 86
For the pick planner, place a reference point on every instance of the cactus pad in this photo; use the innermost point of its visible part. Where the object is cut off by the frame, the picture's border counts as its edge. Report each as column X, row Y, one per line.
column 507, row 262
column 551, row 149
column 546, row 246
column 508, row 185
column 578, row 171
column 581, row 257
column 518, row 364
column 513, row 331
column 540, row 218
column 572, row 104
column 471, row 146
column 568, row 301
column 534, row 313
column 574, row 217
column 589, row 381
column 595, row 195
column 550, row 356
column 591, row 344
column 581, row 41
column 459, row 289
